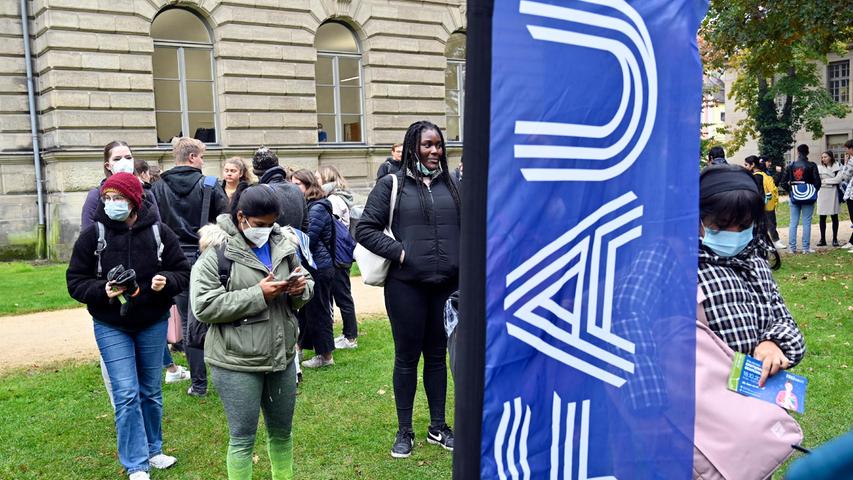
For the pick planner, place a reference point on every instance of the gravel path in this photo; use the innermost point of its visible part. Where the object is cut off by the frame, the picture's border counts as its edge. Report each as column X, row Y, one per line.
column 49, row 337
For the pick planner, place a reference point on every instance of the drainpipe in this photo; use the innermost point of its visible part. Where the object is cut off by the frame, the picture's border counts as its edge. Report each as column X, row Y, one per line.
column 41, row 241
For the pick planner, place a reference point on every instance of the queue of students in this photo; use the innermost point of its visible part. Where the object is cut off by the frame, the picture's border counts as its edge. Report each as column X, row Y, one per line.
column 265, row 270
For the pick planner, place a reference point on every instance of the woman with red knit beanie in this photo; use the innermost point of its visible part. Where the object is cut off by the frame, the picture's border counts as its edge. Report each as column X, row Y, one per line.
column 130, row 318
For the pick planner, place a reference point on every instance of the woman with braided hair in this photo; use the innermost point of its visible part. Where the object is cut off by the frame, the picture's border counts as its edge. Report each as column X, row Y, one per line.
column 424, row 272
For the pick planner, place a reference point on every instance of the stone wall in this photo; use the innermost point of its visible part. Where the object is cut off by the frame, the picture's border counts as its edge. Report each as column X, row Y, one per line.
column 94, row 82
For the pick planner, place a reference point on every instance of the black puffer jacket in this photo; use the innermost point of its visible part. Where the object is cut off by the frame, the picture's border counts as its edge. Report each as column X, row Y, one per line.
column 431, row 242
column 294, row 211
column 134, row 248
column 179, row 198
column 320, row 232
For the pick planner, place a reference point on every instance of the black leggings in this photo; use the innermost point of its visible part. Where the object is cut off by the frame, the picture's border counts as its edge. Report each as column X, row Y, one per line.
column 342, row 294
column 416, row 311
column 834, row 228
column 315, row 318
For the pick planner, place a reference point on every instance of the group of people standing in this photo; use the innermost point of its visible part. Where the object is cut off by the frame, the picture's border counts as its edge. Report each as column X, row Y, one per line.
column 812, row 187
column 257, row 266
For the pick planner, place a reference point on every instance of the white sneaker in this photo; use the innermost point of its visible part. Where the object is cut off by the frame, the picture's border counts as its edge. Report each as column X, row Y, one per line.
column 780, row 245
column 139, row 476
column 847, row 246
column 317, row 362
column 161, row 461
column 344, row 343
column 179, row 375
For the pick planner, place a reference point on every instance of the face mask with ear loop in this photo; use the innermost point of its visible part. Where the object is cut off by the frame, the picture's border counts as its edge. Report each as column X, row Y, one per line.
column 257, row 235
column 727, row 244
column 123, row 166
column 427, row 172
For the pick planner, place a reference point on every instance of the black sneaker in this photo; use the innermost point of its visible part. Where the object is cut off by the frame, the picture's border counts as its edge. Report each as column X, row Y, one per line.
column 441, row 435
column 403, row 444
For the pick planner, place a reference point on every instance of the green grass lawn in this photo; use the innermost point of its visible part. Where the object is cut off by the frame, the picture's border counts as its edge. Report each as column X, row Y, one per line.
column 62, row 424
column 817, row 291
column 26, row 288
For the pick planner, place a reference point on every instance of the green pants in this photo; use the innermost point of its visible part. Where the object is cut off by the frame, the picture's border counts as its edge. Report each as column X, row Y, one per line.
column 244, row 395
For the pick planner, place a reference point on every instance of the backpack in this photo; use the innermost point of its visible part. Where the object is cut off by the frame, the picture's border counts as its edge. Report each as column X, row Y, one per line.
column 197, row 331
column 102, row 244
column 342, row 240
column 771, row 192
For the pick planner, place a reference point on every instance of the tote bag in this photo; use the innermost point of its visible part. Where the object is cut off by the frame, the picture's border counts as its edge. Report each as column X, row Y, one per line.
column 174, row 333
column 735, row 437
column 373, row 267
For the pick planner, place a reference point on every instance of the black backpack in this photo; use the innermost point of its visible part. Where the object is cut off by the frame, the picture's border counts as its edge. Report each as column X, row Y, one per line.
column 197, row 331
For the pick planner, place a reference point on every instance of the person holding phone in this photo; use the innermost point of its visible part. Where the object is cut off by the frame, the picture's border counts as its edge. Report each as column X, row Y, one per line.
column 250, row 305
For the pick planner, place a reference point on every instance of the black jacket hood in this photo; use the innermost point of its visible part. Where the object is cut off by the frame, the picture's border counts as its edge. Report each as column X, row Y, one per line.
column 274, row 175
column 183, row 179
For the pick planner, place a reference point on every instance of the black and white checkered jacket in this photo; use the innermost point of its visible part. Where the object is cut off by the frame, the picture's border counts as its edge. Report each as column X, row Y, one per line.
column 743, row 303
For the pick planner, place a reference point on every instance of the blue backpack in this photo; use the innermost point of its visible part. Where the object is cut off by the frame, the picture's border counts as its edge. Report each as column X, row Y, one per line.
column 342, row 240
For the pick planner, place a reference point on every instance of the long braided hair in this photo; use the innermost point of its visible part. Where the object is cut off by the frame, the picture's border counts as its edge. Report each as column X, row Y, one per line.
column 411, row 158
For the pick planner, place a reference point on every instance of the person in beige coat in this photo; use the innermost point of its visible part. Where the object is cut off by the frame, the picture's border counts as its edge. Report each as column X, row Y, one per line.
column 827, row 196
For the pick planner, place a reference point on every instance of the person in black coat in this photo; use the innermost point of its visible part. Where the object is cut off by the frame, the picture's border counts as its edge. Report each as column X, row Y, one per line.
column 424, row 271
column 294, row 212
column 180, row 197
column 315, row 318
column 130, row 321
column 800, row 173
column 393, row 163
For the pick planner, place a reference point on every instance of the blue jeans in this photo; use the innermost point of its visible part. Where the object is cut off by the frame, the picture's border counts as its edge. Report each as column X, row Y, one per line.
column 167, row 357
column 134, row 362
column 804, row 212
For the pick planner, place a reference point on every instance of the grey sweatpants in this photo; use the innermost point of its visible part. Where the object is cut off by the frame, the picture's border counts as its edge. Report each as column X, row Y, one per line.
column 244, row 395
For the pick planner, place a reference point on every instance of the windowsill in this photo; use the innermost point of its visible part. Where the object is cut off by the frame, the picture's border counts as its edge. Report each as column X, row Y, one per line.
column 168, row 146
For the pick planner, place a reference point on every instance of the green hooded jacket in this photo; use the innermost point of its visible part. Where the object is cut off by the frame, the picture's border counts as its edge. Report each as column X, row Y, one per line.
column 265, row 339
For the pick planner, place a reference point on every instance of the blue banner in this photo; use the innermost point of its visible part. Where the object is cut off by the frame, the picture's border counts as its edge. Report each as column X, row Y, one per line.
column 592, row 227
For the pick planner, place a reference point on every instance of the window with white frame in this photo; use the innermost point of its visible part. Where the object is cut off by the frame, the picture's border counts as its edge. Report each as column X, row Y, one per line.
column 835, row 144
column 340, row 109
column 838, row 81
column 454, row 87
column 184, row 90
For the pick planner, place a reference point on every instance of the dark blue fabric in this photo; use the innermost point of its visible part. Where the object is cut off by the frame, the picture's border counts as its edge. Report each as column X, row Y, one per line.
column 263, row 254
column 592, row 219
column 320, row 232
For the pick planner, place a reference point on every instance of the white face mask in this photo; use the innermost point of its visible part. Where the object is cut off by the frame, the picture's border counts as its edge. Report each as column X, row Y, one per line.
column 123, row 166
column 257, row 235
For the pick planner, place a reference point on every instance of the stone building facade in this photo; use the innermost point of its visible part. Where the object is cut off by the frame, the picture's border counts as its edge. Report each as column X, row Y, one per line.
column 836, row 131
column 237, row 75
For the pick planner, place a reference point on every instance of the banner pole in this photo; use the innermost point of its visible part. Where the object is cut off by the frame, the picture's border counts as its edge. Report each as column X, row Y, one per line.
column 471, row 334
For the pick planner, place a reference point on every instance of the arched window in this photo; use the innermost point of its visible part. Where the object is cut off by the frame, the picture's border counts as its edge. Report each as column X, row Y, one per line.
column 184, row 97
column 454, row 86
column 338, row 77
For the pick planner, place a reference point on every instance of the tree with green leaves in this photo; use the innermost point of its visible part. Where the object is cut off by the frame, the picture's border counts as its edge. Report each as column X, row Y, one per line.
column 776, row 48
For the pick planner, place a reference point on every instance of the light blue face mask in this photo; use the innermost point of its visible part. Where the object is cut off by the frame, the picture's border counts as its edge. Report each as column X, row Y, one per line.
column 117, row 210
column 727, row 244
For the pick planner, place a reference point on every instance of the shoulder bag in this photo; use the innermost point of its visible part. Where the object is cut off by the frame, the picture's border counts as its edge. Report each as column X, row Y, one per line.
column 373, row 267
